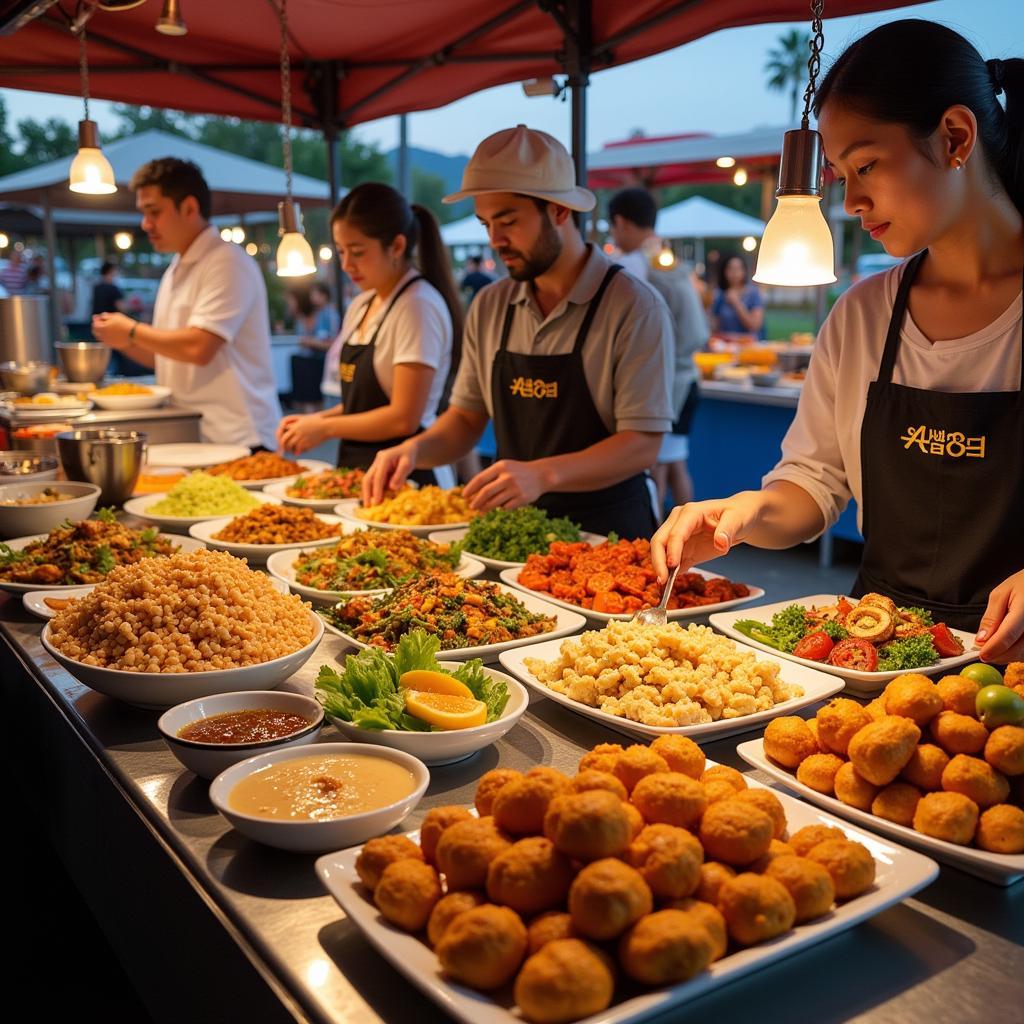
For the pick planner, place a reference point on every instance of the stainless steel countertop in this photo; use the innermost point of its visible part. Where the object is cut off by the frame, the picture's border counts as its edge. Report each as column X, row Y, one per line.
column 99, row 417
column 750, row 393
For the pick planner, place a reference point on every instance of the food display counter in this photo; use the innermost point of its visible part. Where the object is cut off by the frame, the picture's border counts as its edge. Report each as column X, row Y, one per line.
column 169, row 424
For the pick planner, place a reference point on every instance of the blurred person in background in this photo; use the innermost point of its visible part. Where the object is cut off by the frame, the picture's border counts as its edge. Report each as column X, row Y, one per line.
column 737, row 307
column 15, row 275
column 473, row 279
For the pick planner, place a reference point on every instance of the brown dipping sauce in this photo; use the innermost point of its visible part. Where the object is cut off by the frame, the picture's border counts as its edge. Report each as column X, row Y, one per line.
column 244, row 726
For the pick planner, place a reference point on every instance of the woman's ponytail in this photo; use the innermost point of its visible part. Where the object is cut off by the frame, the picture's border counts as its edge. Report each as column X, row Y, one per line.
column 436, row 268
column 1008, row 77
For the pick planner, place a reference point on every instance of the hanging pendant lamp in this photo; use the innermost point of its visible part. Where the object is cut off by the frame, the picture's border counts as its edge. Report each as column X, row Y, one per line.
column 91, row 173
column 171, row 23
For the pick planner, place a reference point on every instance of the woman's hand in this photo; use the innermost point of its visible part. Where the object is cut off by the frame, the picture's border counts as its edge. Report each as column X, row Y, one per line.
column 297, row 434
column 390, row 469
column 1001, row 634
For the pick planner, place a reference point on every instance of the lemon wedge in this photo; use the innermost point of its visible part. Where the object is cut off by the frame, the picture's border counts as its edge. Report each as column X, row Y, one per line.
column 445, row 710
column 428, row 681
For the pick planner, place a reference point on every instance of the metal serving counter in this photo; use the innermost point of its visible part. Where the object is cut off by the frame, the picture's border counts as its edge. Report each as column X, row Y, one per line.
column 169, row 424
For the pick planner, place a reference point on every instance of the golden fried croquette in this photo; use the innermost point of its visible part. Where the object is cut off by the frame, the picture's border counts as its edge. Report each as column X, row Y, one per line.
column 881, row 749
column 722, row 771
column 736, row 832
column 756, row 908
column 465, row 851
column 635, row 818
column 1014, row 674
column 819, row 772
column 447, row 909
column 564, row 981
column 958, row 694
column 709, row 916
column 681, row 754
column 606, row 897
column 378, row 853
column 913, row 696
column 637, row 761
column 770, row 804
column 670, row 798
column 881, row 601
column 436, row 821
column 560, row 780
column 602, row 758
column 849, row 863
column 530, row 876
column 666, row 947
column 1004, row 749
column 519, row 806
column 806, row 838
column 776, row 848
column 876, row 708
column 853, row 789
column 407, row 892
column 669, row 859
column 808, row 882
column 547, row 927
column 837, row 722
column 949, row 816
column 592, row 779
column 788, row 740
column 897, row 802
column 1001, row 829
column 812, row 724
column 589, row 826
column 925, row 767
column 713, row 875
column 483, row 947
column 959, row 734
column 975, row 779
column 488, row 786
column 718, row 789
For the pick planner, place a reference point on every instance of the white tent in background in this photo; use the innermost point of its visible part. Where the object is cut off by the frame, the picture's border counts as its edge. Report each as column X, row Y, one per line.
column 698, row 217
column 467, row 231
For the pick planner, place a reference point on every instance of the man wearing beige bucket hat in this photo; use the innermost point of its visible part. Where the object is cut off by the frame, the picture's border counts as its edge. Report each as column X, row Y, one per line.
column 570, row 356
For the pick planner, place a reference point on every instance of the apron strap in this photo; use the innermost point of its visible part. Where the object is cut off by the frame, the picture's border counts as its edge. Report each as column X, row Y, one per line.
column 588, row 317
column 899, row 310
column 506, row 327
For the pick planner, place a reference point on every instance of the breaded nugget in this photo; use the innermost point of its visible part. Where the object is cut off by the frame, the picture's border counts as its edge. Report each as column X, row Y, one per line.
column 914, row 696
column 958, row 694
column 925, row 767
column 819, row 772
column 897, row 802
column 1004, row 749
column 1014, row 674
column 670, row 798
column 975, row 779
column 837, row 722
column 593, row 779
column 488, row 786
column 665, row 948
column 530, row 876
column 465, row 851
column 602, row 758
column 681, row 754
column 589, row 826
column 756, row 908
column 788, row 740
column 519, row 806
column 606, row 897
column 483, row 947
column 1001, row 829
column 812, row 724
column 736, row 832
column 876, row 708
column 770, row 804
column 560, row 780
column 635, row 818
column 713, row 875
column 547, row 927
column 709, row 916
column 849, row 863
column 723, row 772
column 959, row 734
column 718, row 789
column 949, row 816
column 378, row 853
column 806, row 838
column 776, row 848
column 407, row 892
column 436, row 821
column 853, row 789
column 447, row 909
column 881, row 749
column 808, row 882
column 564, row 981
column 637, row 761
column 669, row 859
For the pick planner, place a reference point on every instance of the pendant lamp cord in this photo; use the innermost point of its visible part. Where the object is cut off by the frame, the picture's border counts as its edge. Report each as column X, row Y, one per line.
column 817, row 41
column 286, row 99
column 83, row 65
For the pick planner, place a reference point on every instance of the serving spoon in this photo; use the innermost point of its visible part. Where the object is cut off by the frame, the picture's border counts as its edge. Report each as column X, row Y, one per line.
column 657, row 616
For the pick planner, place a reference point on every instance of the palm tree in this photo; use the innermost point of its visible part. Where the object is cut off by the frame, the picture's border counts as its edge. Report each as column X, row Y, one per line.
column 786, row 66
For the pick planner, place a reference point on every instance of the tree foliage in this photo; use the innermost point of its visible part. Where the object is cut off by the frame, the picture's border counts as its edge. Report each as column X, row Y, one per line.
column 786, row 66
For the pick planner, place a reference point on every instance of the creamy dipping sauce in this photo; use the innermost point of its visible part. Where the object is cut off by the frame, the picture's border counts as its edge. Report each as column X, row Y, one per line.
column 253, row 726
column 322, row 787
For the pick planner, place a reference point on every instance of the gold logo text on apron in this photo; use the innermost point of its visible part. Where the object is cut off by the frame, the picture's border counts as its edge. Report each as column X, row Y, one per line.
column 347, row 371
column 534, row 387
column 931, row 441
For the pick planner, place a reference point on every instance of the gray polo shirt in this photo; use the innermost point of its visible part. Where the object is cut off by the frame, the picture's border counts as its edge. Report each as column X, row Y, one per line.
column 627, row 358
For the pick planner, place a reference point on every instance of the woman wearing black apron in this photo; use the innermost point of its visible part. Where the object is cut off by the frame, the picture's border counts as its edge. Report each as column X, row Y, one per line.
column 400, row 337
column 914, row 403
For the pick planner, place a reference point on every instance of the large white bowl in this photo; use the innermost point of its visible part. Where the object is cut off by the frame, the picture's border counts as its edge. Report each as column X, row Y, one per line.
column 157, row 396
column 258, row 553
column 208, row 760
column 20, row 520
column 139, row 507
column 162, row 690
column 444, row 747
column 317, row 836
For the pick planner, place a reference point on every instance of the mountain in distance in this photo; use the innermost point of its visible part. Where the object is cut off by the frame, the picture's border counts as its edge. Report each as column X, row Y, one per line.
column 448, row 168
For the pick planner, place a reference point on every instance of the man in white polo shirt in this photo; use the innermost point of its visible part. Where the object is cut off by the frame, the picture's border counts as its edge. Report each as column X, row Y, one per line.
column 210, row 338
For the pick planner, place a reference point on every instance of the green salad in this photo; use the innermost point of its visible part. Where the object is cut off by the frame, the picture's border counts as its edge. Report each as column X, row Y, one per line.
column 513, row 534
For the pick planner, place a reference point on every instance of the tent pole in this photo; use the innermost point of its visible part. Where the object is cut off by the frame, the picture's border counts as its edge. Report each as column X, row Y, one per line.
column 322, row 84
column 332, row 139
column 578, row 44
column 50, row 236
column 403, row 180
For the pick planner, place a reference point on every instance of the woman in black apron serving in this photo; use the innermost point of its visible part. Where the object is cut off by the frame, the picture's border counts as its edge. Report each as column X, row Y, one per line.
column 914, row 403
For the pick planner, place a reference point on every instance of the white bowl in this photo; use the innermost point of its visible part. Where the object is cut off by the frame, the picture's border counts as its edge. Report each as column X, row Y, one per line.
column 162, row 690
column 259, row 553
column 20, row 520
column 434, row 748
column 317, row 836
column 139, row 506
column 157, row 396
column 208, row 760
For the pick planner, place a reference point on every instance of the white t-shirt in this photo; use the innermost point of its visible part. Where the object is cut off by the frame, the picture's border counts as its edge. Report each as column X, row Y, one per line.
column 215, row 286
column 821, row 450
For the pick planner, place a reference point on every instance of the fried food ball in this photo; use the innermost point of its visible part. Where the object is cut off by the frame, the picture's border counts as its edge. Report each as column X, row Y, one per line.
column 925, row 767
column 788, row 740
column 914, row 696
column 881, row 749
column 564, row 981
column 602, row 758
column 1004, row 748
column 756, row 908
column 547, row 927
column 681, row 754
column 812, row 724
column 589, row 826
column 436, row 821
column 819, row 772
column 1001, row 829
column 447, row 909
column 709, row 916
column 713, row 875
column 665, row 948
column 519, row 807
column 530, row 876
column 958, row 694
column 1014, row 674
column 949, row 816
column 407, row 892
column 593, row 779
column 378, row 853
column 718, row 789
column 669, row 859
column 736, row 832
column 976, row 779
column 959, row 734
column 465, row 851
column 637, row 761
column 606, row 897
column 837, row 722
column 852, row 788
column 876, row 708
column 770, row 804
column 670, row 798
column 897, row 802
column 808, row 882
column 488, row 786
column 483, row 947
column 635, row 818
column 542, row 771
column 722, row 771
column 850, row 864
column 776, row 848
column 806, row 838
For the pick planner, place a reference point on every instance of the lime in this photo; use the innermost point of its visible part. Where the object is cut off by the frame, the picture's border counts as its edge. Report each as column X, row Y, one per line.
column 999, row 705
column 984, row 675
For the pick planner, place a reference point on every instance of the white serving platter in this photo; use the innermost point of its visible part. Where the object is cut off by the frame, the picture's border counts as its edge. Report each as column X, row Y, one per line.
column 195, row 455
column 65, row 409
column 308, row 466
column 255, row 553
column 899, row 873
column 857, row 681
column 1000, row 868
column 157, row 396
column 452, row 536
column 347, row 510
column 140, row 507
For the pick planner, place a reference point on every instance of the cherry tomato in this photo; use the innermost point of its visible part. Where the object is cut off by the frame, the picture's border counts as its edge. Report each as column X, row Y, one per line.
column 815, row 646
column 999, row 705
column 946, row 644
column 854, row 653
column 983, row 675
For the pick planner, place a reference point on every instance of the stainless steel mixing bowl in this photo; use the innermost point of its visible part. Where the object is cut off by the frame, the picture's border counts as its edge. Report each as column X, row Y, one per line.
column 84, row 362
column 27, row 378
column 110, row 458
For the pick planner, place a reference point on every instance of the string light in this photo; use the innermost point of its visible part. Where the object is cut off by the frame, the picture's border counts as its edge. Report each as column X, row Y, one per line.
column 123, row 240
column 740, row 177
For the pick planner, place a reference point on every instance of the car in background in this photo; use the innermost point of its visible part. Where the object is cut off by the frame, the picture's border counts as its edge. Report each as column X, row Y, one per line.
column 873, row 263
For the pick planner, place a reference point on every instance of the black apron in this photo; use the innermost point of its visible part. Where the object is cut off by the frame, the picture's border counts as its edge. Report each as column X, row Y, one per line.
column 943, row 501
column 543, row 407
column 361, row 392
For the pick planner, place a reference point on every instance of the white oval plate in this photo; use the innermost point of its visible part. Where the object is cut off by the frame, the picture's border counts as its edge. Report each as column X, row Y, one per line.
column 308, row 466
column 347, row 510
column 158, row 395
column 46, row 413
column 193, row 456
column 258, row 553
column 139, row 507
column 454, row 535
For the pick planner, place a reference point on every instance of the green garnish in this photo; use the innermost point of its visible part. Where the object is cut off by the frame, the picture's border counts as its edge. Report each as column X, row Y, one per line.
column 512, row 535
column 909, row 653
column 105, row 560
column 922, row 614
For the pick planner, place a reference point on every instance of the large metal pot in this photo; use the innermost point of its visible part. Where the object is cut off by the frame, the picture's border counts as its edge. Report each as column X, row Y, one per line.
column 25, row 328
column 84, row 362
column 27, row 378
column 110, row 458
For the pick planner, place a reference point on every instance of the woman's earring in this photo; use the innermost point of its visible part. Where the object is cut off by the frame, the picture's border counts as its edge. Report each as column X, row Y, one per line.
column 958, row 164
